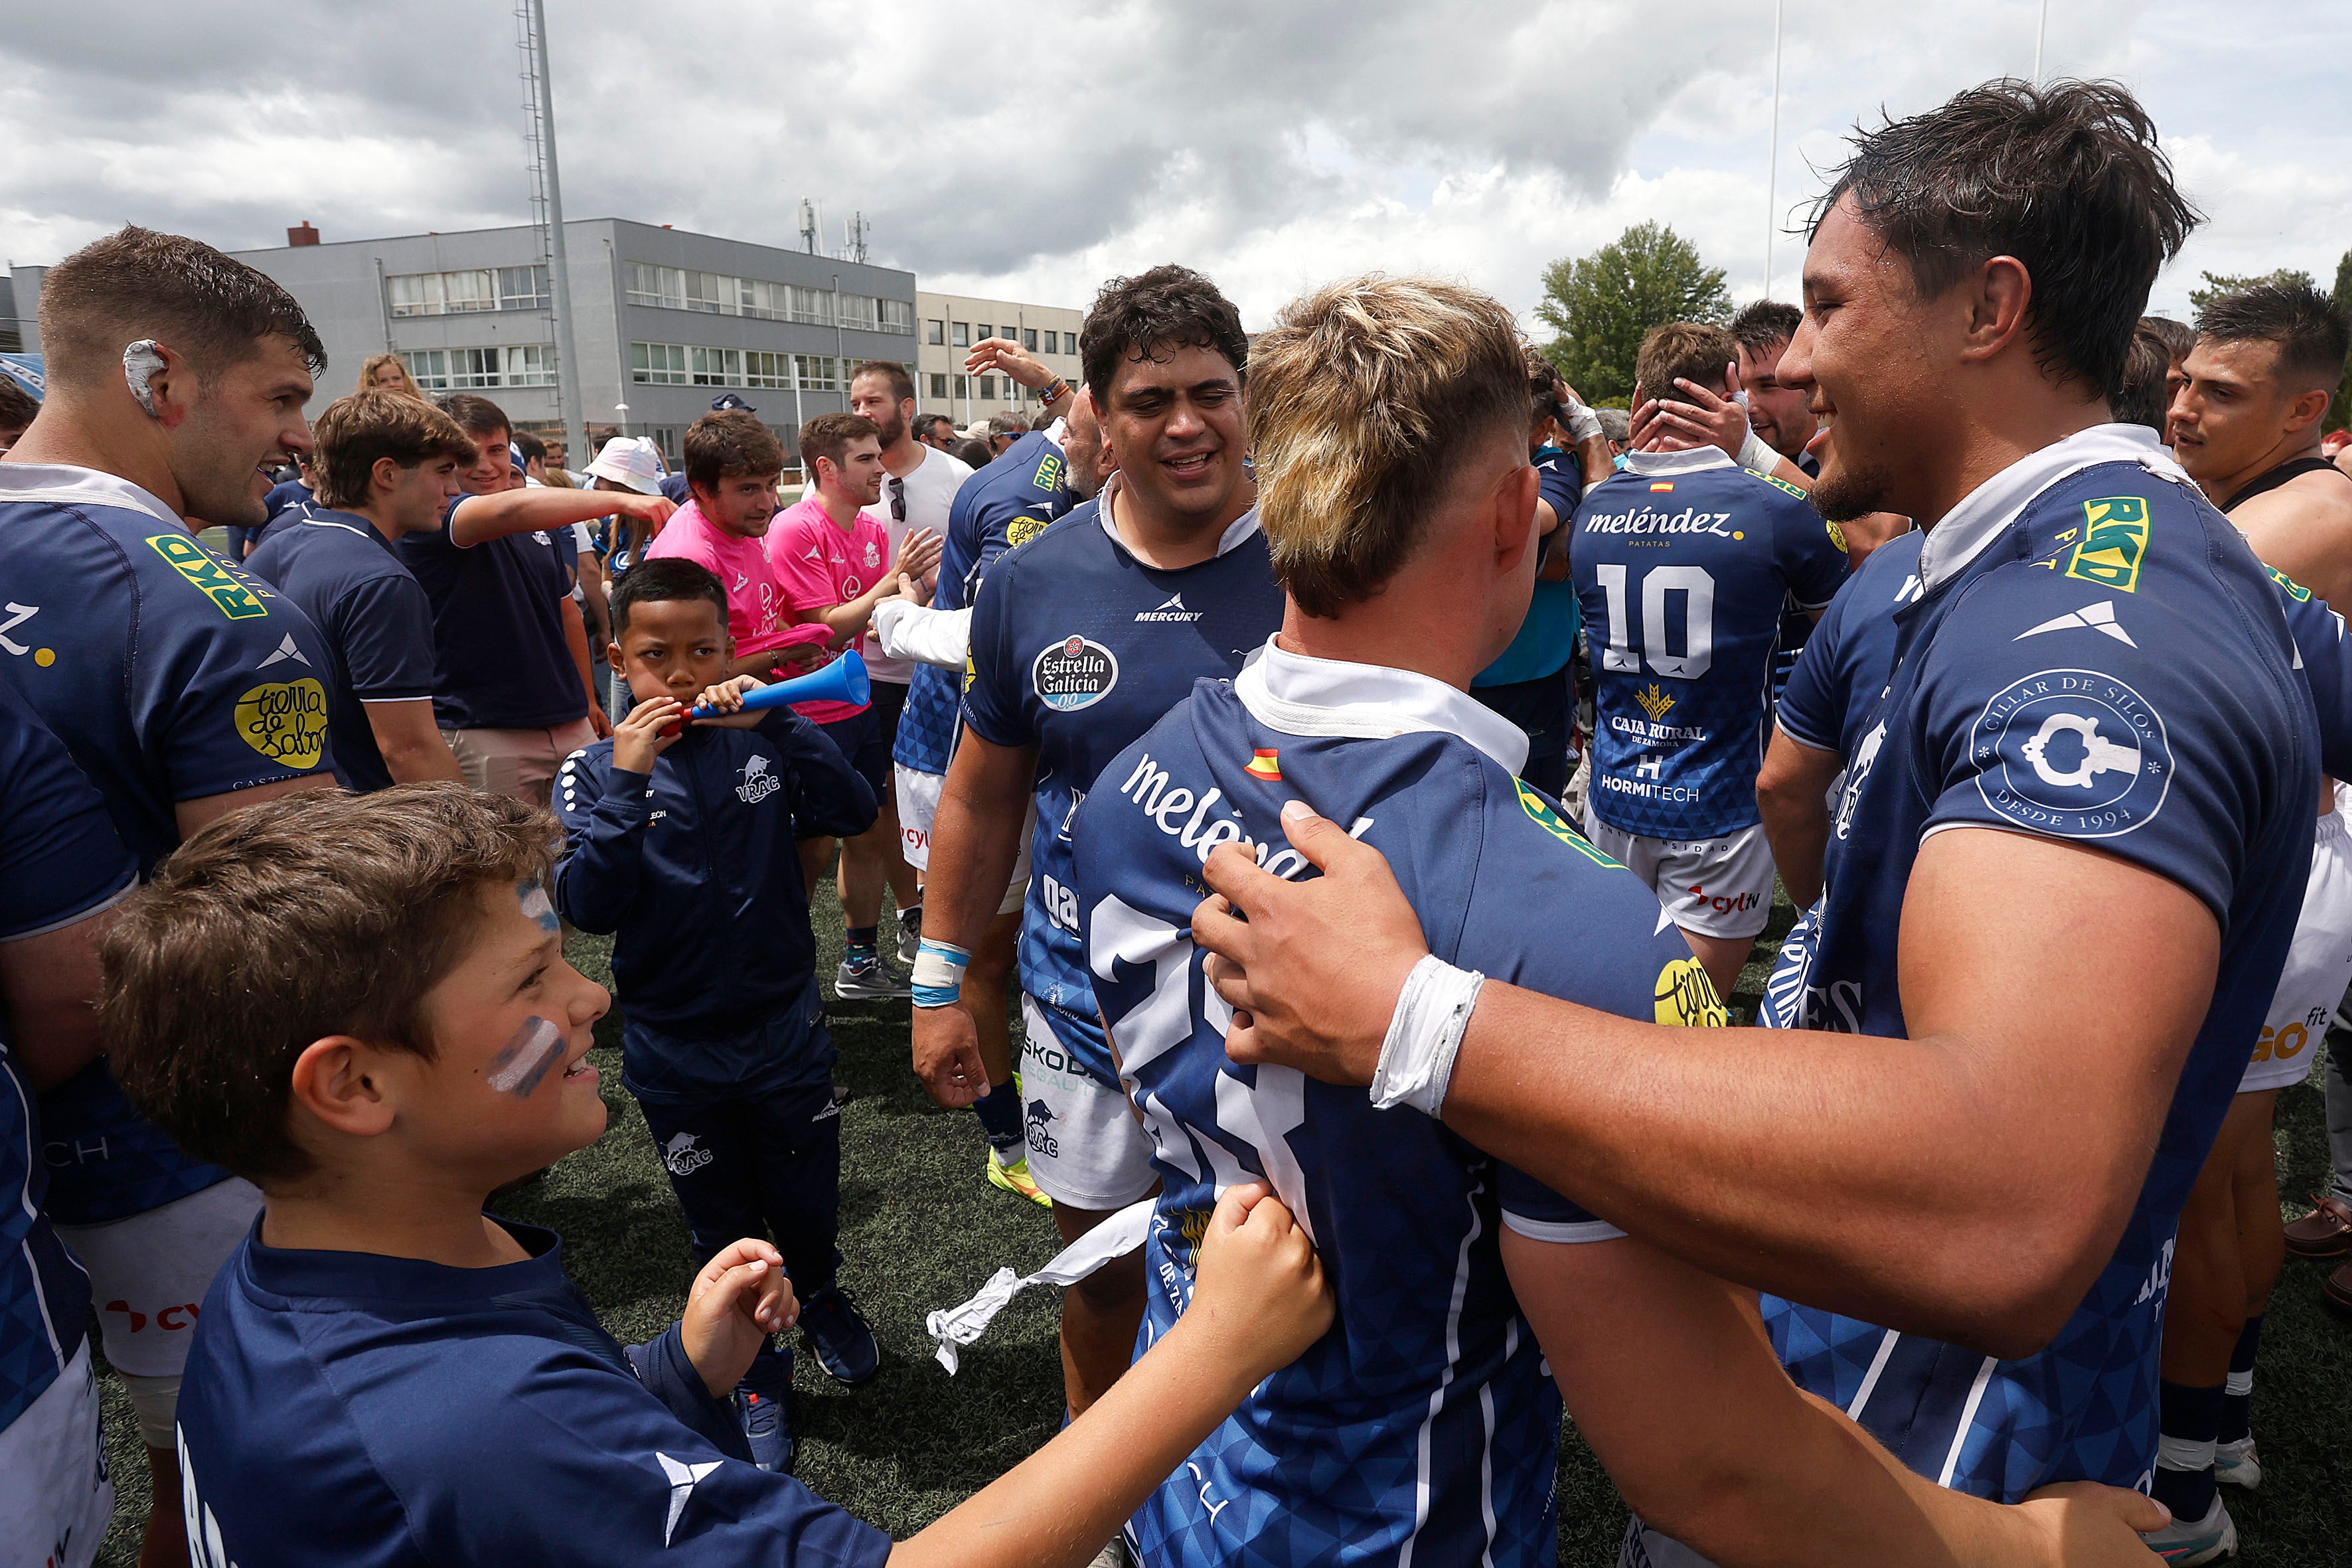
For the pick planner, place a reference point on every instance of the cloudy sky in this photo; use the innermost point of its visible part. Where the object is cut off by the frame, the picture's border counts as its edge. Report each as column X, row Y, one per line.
column 1030, row 151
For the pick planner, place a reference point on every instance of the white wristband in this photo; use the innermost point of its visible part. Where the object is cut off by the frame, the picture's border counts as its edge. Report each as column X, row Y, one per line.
column 1583, row 423
column 1424, row 1032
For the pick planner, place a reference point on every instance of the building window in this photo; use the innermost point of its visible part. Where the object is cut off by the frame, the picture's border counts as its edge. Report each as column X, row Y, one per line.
column 963, row 334
column 712, row 293
column 896, row 316
column 474, row 370
column 963, row 388
column 987, row 389
column 1029, row 339
column 523, row 288
column 935, row 332
column 768, row 301
column 662, row 287
column 938, row 384
column 859, row 312
column 767, row 370
column 444, row 293
column 811, row 305
column 665, row 439
column 818, row 372
column 430, row 367
column 1051, row 340
column 657, row 364
column 716, row 367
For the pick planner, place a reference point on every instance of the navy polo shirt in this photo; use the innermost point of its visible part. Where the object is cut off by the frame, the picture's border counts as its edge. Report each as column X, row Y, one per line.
column 499, row 658
column 377, row 621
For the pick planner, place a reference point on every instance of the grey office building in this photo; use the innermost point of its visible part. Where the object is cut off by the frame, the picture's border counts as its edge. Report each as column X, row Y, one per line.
column 665, row 321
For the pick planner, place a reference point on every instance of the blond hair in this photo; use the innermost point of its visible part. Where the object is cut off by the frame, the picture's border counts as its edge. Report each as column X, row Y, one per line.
column 1364, row 399
column 374, row 362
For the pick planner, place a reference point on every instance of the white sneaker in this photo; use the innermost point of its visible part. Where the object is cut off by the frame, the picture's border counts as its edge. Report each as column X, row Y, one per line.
column 2236, row 1463
column 909, row 943
column 1114, row 1555
column 2185, row 1543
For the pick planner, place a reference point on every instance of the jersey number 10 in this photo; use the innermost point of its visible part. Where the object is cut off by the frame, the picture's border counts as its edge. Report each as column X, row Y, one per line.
column 1698, row 587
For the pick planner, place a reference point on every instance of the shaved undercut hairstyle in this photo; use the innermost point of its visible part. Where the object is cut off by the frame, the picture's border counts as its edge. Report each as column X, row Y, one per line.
column 319, row 913
column 2312, row 335
column 2067, row 178
column 209, row 308
column 1152, row 314
column 1693, row 350
column 1369, row 394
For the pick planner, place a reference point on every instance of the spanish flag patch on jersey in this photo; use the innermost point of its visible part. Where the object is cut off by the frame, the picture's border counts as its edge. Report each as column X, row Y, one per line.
column 1262, row 765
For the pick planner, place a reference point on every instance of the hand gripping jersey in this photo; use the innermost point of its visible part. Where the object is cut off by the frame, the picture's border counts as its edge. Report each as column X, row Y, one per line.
column 170, row 675
column 380, row 1411
column 1076, row 649
column 1422, row 1428
column 1682, row 562
column 60, row 863
column 2098, row 658
column 1006, row 504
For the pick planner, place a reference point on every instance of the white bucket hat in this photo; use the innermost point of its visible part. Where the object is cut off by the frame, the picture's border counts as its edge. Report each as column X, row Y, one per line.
column 630, row 461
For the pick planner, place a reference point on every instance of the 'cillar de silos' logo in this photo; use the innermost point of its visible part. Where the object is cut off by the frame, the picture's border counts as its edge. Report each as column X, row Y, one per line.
column 2072, row 752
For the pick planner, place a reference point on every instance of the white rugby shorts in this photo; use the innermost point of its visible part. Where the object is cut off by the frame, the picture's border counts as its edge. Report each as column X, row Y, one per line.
column 1087, row 1150
column 1716, row 887
column 53, row 1482
column 148, row 1273
column 2318, row 965
column 918, row 803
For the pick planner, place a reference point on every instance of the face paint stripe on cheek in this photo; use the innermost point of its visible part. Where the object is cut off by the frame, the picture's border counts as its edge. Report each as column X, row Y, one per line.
column 536, row 904
column 523, row 1060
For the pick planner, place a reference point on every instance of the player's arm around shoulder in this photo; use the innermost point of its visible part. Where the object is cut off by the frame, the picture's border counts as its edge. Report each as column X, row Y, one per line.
column 1672, row 1379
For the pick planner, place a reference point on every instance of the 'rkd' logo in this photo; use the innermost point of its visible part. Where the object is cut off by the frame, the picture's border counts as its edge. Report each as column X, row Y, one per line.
column 2115, row 539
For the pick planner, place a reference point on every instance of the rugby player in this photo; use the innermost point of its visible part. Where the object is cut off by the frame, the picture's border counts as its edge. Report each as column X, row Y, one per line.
column 1987, row 1289
column 1682, row 562
column 185, row 688
column 1044, row 475
column 62, row 873
column 1081, row 639
column 1387, row 424
column 2246, row 426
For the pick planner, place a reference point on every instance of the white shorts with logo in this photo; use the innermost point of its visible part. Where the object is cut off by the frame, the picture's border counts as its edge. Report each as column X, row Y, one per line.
column 148, row 1273
column 1716, row 887
column 2318, row 965
column 918, row 802
column 1087, row 1150
column 54, row 1486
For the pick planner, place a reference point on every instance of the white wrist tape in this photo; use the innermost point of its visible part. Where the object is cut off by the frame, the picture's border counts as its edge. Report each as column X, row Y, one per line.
column 1754, row 454
column 1583, row 423
column 937, row 976
column 1424, row 1032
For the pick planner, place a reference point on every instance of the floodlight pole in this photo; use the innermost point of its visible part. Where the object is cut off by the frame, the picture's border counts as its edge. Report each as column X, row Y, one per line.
column 567, row 361
column 2040, row 31
column 1773, row 166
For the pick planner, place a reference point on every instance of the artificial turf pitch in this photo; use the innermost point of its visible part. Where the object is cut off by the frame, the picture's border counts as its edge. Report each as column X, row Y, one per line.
column 921, row 1228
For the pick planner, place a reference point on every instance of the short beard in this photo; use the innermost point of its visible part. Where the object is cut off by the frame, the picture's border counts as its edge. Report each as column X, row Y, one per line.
column 1852, row 491
column 895, row 431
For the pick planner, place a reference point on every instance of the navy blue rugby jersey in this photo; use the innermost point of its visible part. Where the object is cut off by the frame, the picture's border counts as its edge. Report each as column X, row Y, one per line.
column 1843, row 668
column 1423, row 1427
column 60, row 863
column 1076, row 649
column 377, row 621
column 1005, row 504
column 381, row 1412
column 1682, row 562
column 2098, row 658
column 500, row 657
column 170, row 674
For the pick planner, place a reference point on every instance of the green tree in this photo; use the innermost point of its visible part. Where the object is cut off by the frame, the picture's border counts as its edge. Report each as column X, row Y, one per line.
column 2339, row 412
column 1599, row 306
column 2220, row 285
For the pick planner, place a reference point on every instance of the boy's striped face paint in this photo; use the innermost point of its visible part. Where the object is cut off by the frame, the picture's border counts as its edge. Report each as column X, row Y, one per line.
column 536, row 904
column 522, row 1061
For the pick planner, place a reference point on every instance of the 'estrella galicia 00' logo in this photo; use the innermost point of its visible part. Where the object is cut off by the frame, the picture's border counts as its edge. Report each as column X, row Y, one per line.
column 1074, row 673
column 2072, row 752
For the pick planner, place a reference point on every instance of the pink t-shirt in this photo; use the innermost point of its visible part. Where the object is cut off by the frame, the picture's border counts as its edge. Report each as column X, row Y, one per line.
column 819, row 563
column 757, row 615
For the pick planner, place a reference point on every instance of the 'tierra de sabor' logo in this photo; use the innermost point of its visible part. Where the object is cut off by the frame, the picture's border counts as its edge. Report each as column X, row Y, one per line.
column 285, row 721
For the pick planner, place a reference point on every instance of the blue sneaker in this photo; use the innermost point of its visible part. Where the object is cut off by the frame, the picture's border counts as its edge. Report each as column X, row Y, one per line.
column 839, row 1338
column 764, row 1401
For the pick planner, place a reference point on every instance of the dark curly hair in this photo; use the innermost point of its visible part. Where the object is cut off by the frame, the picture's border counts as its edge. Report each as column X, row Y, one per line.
column 1152, row 313
column 2067, row 178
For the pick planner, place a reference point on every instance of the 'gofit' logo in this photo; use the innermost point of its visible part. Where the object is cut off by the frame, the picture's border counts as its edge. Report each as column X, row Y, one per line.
column 286, row 722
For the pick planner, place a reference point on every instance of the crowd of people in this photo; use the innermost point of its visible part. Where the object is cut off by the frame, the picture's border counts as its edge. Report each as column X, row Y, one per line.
column 1352, row 753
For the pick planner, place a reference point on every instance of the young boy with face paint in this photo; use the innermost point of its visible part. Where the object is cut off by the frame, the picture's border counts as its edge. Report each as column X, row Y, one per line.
column 682, row 844
column 357, row 1003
